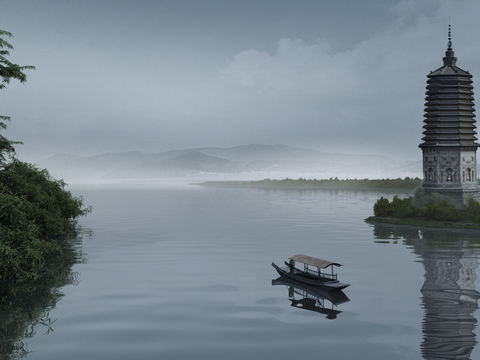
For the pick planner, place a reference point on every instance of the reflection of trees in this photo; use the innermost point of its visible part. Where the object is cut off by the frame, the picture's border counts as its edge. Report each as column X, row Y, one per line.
column 449, row 296
column 23, row 307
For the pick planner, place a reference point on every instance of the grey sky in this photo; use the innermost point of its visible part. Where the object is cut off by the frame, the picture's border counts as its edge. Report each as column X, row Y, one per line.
column 343, row 76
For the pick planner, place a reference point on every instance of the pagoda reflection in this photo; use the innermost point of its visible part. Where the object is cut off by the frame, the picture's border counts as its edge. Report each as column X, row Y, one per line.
column 449, row 298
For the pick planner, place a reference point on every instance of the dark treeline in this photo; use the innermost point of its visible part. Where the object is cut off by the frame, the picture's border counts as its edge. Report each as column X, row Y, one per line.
column 406, row 183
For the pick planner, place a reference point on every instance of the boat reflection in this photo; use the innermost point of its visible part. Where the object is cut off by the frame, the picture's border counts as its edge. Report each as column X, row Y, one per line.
column 450, row 258
column 313, row 298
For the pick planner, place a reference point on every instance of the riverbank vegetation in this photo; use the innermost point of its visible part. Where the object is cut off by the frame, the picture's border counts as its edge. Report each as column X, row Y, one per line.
column 34, row 210
column 427, row 209
column 34, row 207
column 406, row 183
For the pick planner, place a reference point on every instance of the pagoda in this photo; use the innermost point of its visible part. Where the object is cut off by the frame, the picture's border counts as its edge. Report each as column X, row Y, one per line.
column 449, row 144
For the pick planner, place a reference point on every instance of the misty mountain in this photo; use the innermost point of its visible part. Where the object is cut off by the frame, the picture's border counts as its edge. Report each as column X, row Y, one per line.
column 249, row 153
column 181, row 165
column 76, row 168
column 242, row 162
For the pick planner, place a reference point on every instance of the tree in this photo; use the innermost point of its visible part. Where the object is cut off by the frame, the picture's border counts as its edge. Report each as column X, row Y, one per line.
column 34, row 207
column 8, row 71
column 382, row 208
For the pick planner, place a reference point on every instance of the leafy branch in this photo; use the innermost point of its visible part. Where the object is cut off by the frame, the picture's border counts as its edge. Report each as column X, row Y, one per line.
column 9, row 70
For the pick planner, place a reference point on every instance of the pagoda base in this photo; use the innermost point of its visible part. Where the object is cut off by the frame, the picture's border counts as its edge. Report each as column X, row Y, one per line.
column 459, row 194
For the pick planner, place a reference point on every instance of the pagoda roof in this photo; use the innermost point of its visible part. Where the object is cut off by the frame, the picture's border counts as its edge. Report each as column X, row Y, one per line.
column 449, row 64
column 449, row 70
column 449, row 108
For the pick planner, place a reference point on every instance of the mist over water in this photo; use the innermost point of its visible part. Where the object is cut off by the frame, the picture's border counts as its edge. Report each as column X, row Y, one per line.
column 248, row 162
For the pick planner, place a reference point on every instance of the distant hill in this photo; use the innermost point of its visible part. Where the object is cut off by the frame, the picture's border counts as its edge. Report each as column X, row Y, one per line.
column 249, row 153
column 243, row 162
column 85, row 169
column 184, row 164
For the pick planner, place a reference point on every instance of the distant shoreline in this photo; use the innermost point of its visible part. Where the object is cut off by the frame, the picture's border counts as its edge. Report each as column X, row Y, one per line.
column 360, row 184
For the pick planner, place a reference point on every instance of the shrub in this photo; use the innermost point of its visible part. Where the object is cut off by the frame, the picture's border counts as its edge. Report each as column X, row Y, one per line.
column 430, row 206
column 33, row 208
column 472, row 211
column 399, row 208
column 382, row 208
column 443, row 212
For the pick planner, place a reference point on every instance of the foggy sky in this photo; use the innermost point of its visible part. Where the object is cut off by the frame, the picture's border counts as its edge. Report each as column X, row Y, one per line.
column 117, row 75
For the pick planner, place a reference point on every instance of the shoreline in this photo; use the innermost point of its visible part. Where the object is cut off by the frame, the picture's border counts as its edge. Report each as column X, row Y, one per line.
column 422, row 222
column 329, row 184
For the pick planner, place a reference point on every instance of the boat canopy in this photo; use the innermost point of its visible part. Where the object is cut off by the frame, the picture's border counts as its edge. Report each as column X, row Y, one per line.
column 310, row 260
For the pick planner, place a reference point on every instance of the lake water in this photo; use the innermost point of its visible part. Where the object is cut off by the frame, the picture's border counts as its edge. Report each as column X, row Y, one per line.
column 184, row 272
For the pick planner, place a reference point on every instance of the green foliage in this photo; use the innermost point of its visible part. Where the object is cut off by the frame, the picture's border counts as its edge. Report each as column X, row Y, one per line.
column 9, row 70
column 53, row 205
column 399, row 208
column 6, row 146
column 34, row 262
column 33, row 208
column 421, row 199
column 406, row 183
column 430, row 207
column 382, row 208
column 443, row 212
column 471, row 212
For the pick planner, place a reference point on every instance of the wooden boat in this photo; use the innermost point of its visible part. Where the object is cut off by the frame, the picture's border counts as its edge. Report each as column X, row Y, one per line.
column 312, row 272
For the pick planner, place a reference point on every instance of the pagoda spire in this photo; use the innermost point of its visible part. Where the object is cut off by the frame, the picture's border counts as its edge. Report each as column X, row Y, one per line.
column 449, row 59
column 449, row 44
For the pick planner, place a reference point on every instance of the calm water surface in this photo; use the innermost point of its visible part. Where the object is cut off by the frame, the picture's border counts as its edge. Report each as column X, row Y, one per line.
column 184, row 272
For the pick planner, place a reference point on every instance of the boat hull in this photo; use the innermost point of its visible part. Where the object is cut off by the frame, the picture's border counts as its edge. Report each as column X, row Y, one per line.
column 299, row 276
